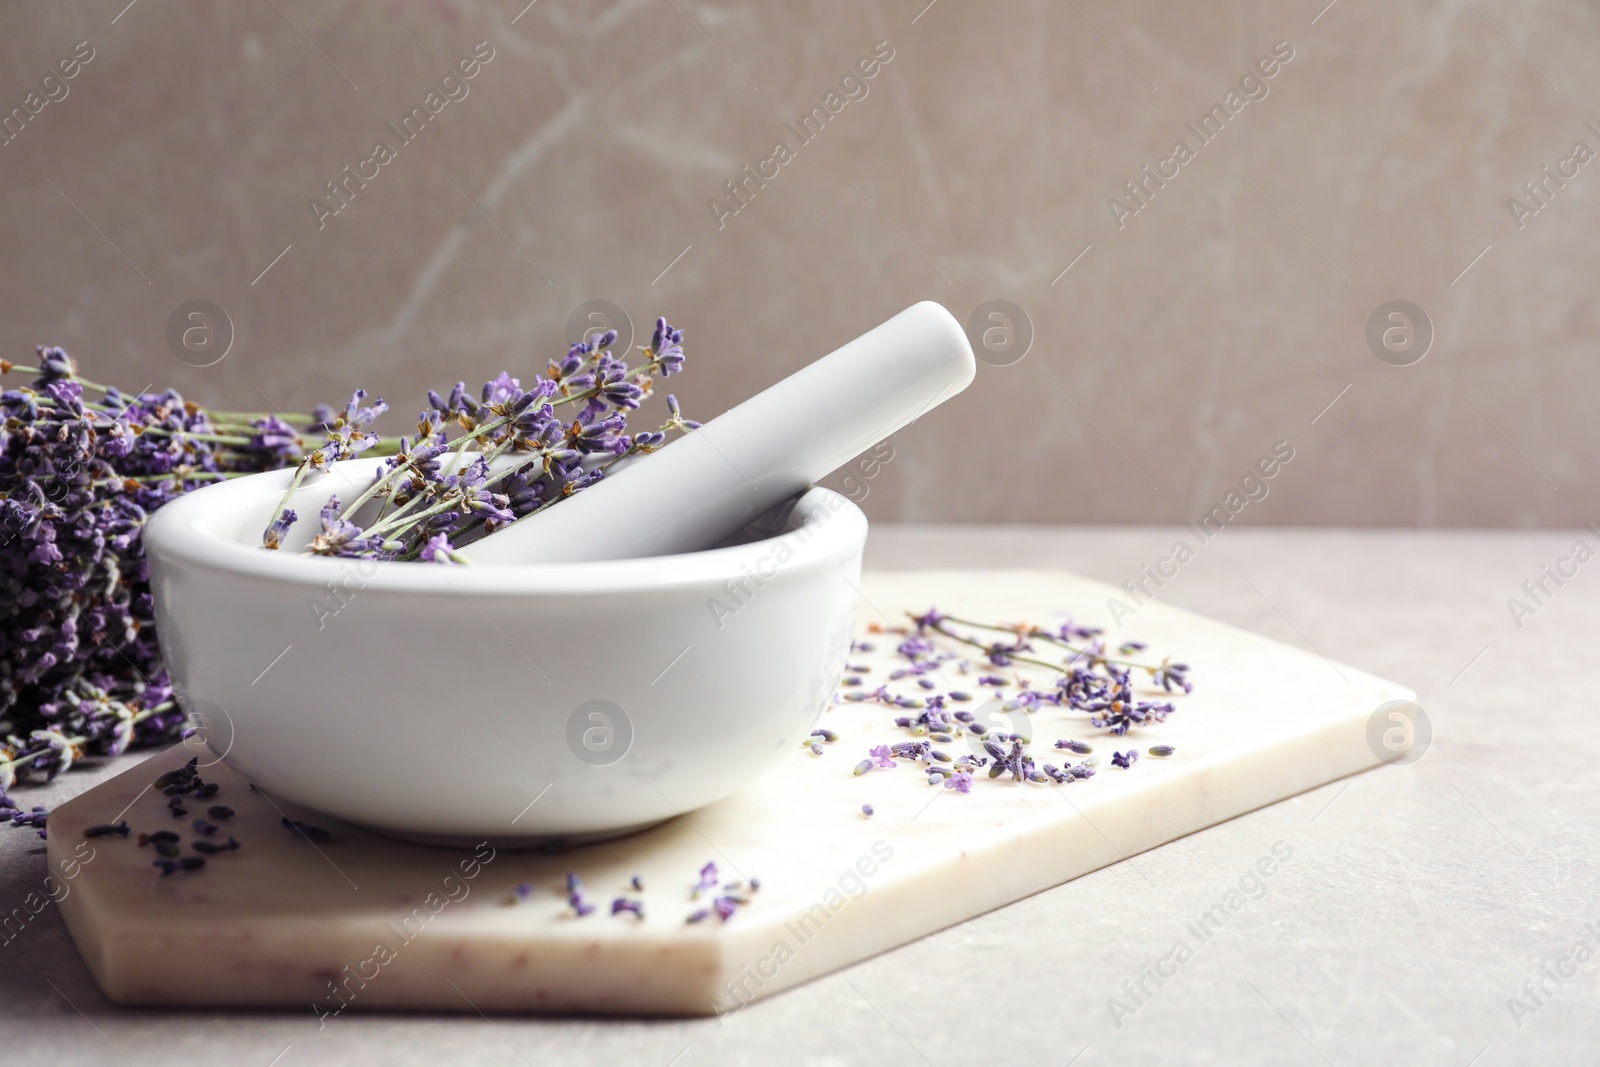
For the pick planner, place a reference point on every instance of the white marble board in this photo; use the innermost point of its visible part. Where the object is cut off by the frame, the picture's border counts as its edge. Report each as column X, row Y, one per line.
column 361, row 922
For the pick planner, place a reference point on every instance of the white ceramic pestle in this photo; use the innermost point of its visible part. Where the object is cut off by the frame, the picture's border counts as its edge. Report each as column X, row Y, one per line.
column 707, row 484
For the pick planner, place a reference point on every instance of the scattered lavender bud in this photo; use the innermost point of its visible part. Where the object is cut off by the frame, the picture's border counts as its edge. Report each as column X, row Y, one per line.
column 207, row 791
column 203, row 827
column 866, row 809
column 212, row 848
column 960, row 698
column 637, row 882
column 220, row 811
column 1075, row 746
column 708, row 879
column 310, row 833
column 698, row 915
column 623, row 904
column 169, row 867
column 1161, row 751
column 106, row 829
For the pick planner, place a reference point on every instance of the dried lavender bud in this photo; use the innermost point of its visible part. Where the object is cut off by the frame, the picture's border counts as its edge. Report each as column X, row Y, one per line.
column 698, row 915
column 708, row 879
column 106, row 829
column 866, row 809
column 181, row 775
column 305, row 830
column 1161, row 751
column 165, row 848
column 220, row 811
column 1075, row 746
column 637, row 882
column 212, row 848
column 207, row 791
column 203, row 827
column 632, row 907
column 175, row 806
column 1125, row 759
column 172, row 866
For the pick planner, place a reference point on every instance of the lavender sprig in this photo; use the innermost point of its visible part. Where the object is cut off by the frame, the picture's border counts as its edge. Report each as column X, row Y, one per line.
column 438, row 491
column 82, row 467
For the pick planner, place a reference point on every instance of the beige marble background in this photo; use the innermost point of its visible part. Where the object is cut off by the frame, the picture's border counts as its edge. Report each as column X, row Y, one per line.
column 1224, row 317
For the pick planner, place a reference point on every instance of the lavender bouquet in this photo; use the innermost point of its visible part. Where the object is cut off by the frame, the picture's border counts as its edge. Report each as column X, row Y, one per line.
column 514, row 453
column 84, row 465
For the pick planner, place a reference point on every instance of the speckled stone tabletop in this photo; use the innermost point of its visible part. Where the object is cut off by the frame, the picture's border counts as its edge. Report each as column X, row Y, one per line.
column 1446, row 912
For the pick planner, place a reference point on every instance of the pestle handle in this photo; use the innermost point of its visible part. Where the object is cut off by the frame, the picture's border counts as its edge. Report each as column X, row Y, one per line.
column 713, row 481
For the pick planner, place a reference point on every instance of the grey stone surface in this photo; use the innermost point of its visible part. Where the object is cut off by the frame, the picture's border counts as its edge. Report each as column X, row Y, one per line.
column 1417, row 902
column 980, row 163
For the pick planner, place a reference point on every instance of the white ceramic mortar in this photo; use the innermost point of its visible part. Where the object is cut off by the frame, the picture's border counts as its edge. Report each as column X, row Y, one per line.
column 459, row 703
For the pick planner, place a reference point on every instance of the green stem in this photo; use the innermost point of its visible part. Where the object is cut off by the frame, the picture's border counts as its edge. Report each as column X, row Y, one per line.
column 299, row 476
column 1034, row 631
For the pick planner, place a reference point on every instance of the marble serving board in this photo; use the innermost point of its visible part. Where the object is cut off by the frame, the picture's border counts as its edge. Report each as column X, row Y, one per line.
column 361, row 922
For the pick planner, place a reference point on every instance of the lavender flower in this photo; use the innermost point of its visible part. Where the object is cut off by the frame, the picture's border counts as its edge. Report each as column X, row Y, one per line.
column 516, row 454
column 82, row 467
